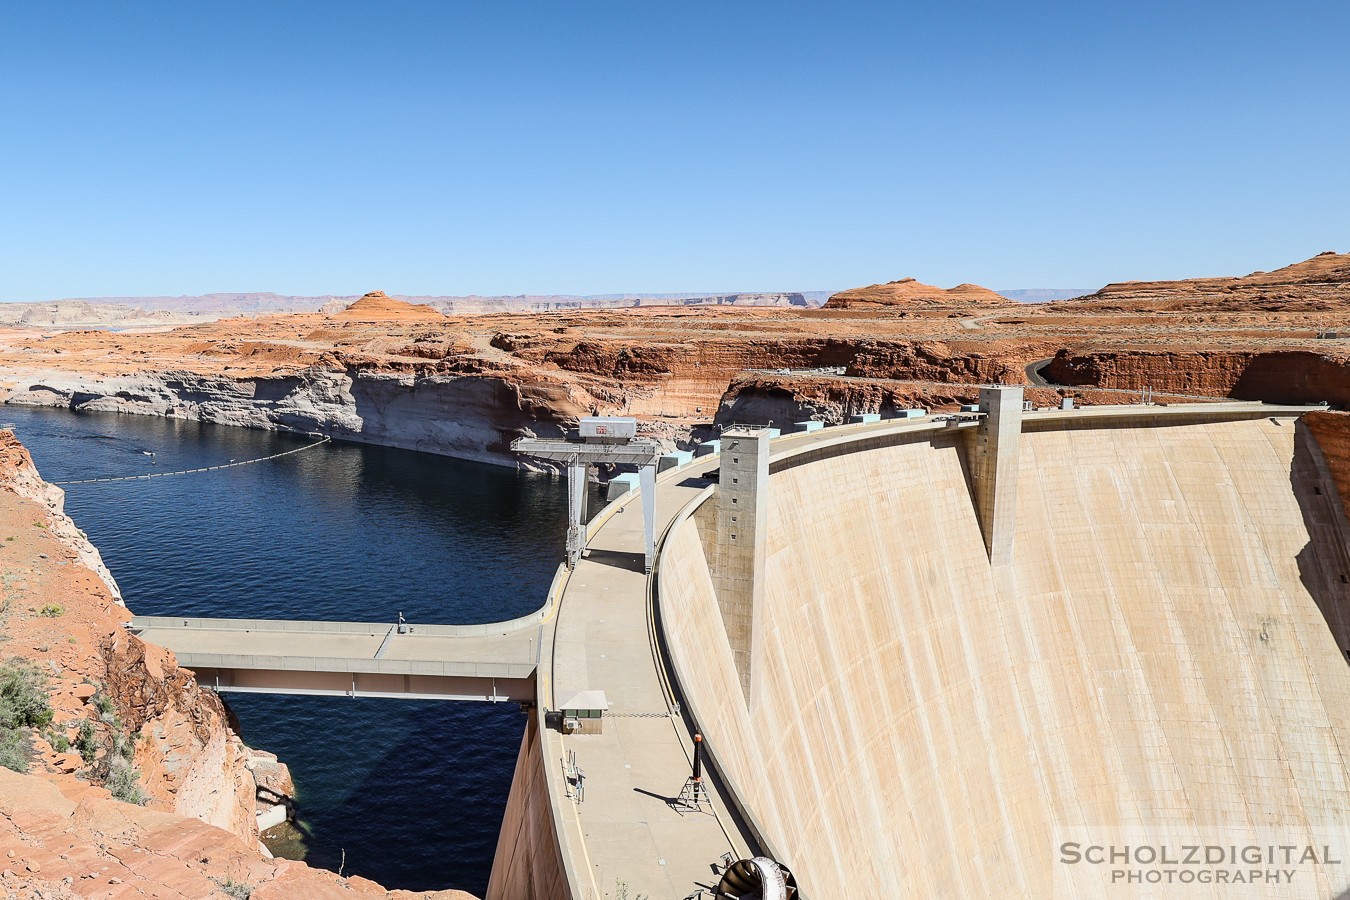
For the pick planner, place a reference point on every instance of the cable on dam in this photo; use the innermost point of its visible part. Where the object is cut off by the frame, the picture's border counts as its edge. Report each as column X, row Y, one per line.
column 324, row 439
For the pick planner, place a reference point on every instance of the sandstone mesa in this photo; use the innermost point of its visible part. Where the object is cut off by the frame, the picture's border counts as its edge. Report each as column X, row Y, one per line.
column 908, row 292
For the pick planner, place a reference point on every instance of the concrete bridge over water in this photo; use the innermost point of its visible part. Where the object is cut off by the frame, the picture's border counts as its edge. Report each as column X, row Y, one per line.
column 493, row 662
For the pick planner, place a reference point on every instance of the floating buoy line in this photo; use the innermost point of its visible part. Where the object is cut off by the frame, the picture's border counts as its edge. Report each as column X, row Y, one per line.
column 229, row 465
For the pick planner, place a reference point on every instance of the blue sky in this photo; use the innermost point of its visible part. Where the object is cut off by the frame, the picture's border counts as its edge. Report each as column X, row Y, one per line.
column 589, row 147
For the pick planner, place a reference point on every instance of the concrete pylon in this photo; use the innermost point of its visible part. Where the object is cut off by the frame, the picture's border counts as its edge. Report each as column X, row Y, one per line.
column 647, row 484
column 576, row 512
column 993, row 467
column 738, row 573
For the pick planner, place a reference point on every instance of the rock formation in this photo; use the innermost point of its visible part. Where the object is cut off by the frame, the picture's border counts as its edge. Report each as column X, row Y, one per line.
column 780, row 400
column 1320, row 283
column 907, row 292
column 377, row 306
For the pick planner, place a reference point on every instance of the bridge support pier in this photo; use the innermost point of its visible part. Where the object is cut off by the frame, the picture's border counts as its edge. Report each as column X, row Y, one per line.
column 994, row 460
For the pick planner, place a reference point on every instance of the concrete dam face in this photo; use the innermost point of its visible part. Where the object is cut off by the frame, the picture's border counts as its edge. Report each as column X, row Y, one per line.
column 1164, row 648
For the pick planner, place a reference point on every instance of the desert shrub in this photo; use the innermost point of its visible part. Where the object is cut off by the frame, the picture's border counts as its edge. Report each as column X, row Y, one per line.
column 16, row 750
column 86, row 743
column 123, row 745
column 60, row 743
column 123, row 781
column 23, row 696
column 234, row 889
column 52, row 610
column 103, row 703
column 23, row 705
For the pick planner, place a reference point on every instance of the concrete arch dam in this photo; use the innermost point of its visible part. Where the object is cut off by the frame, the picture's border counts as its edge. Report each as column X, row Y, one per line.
column 922, row 666
column 920, row 651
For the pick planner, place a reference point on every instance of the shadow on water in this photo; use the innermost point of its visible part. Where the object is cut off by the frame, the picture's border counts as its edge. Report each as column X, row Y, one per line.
column 440, row 768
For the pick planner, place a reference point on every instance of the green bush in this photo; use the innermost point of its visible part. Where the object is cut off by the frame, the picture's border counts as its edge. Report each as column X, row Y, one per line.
column 234, row 889
column 16, row 751
column 60, row 743
column 23, row 705
column 86, row 743
column 123, row 746
column 123, row 782
column 52, row 610
column 23, row 696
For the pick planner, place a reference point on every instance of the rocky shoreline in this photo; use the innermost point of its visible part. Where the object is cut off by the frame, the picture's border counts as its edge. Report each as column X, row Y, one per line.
column 469, row 417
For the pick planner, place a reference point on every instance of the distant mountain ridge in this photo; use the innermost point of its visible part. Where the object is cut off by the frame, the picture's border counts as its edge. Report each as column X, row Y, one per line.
column 143, row 312
column 1043, row 295
column 167, row 310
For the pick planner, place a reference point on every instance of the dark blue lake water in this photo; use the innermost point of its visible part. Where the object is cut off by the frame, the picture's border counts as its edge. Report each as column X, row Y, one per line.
column 412, row 791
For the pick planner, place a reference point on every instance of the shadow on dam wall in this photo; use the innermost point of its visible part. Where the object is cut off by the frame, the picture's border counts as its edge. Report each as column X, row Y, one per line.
column 1320, row 500
column 925, row 722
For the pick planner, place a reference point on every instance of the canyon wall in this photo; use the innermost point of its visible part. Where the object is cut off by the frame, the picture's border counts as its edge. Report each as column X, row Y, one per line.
column 1156, row 655
column 64, row 613
column 470, row 417
column 476, row 411
column 780, row 400
column 1287, row 376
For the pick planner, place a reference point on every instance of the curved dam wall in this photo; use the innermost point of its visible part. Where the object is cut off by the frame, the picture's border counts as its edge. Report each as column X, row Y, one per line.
column 920, row 723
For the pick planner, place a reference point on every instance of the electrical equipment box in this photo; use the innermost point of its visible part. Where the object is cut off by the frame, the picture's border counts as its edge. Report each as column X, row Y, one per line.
column 607, row 429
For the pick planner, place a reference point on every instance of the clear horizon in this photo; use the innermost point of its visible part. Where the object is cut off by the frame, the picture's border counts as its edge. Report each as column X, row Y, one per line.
column 428, row 149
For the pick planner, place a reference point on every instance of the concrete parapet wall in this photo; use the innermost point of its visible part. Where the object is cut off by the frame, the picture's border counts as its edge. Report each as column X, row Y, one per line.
column 1154, row 654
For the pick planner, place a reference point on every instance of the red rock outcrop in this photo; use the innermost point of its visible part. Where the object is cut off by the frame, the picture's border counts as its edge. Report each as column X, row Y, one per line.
column 951, row 363
column 1278, row 376
column 907, row 292
column 1332, row 432
column 1317, row 284
column 65, row 618
column 377, row 306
